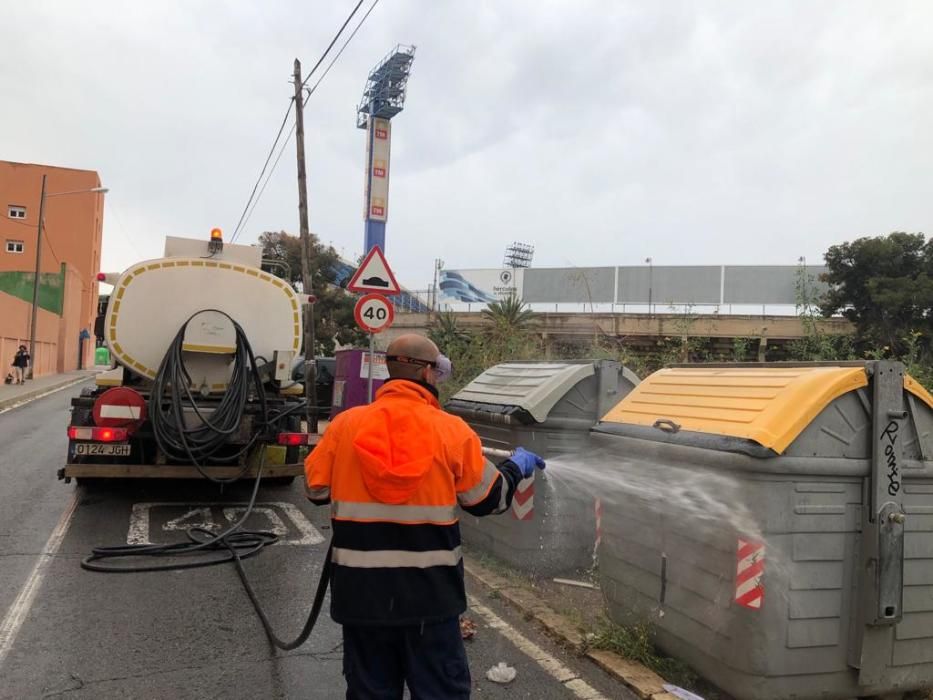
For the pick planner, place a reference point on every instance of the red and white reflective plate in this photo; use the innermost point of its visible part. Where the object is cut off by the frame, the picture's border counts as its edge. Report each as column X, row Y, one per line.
column 120, row 407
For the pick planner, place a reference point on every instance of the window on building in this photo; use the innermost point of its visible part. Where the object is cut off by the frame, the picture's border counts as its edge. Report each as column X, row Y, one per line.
column 16, row 212
column 14, row 246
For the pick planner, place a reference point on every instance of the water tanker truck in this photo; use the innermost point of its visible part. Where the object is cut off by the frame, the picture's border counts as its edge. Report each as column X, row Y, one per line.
column 203, row 342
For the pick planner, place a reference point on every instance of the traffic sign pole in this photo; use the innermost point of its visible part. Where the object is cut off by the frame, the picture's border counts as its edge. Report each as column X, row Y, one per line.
column 372, row 362
column 374, row 312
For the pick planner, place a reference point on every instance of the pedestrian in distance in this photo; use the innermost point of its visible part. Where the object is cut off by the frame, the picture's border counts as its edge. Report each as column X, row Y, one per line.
column 20, row 363
column 394, row 473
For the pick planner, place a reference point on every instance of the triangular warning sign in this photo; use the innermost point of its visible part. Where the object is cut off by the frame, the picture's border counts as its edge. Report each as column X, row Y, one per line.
column 374, row 276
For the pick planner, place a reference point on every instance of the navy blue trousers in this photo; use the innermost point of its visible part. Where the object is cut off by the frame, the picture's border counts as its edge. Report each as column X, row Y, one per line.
column 430, row 658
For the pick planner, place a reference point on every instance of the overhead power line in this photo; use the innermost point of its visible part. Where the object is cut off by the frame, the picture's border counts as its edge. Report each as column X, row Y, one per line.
column 310, row 92
column 250, row 201
column 262, row 172
column 269, row 176
column 339, row 53
column 45, row 239
column 331, row 44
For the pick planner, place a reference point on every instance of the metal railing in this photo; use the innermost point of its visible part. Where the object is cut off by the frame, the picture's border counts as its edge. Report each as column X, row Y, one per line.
column 412, row 301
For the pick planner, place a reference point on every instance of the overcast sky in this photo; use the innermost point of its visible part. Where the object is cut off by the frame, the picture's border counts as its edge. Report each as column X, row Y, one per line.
column 600, row 132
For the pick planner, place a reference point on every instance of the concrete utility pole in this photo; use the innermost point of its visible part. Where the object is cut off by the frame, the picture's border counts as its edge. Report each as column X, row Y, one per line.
column 35, row 286
column 310, row 365
column 650, row 284
column 438, row 266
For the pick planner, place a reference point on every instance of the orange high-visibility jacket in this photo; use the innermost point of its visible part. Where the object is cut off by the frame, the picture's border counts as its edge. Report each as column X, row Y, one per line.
column 394, row 473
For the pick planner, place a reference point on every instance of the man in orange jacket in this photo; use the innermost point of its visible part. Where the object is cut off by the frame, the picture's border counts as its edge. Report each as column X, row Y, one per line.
column 394, row 473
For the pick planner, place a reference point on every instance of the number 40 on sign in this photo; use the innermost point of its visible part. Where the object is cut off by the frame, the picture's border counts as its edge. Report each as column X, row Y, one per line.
column 374, row 313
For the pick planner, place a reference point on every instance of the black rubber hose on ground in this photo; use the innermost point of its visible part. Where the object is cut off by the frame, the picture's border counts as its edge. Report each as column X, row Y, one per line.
column 235, row 545
column 199, row 445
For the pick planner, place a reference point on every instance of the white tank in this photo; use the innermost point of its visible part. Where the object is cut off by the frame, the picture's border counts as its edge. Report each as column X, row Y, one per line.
column 152, row 300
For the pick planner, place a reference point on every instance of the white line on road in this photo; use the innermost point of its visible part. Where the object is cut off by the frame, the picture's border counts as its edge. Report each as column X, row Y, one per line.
column 54, row 390
column 569, row 679
column 16, row 615
column 199, row 514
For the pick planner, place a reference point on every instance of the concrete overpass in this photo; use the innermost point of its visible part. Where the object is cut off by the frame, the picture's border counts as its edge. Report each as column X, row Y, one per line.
column 643, row 331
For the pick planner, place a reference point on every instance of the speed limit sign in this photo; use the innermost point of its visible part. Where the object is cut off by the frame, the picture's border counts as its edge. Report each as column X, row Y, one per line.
column 374, row 313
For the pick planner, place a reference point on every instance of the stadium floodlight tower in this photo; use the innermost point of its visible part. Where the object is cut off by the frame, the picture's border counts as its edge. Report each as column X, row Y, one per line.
column 383, row 98
column 518, row 255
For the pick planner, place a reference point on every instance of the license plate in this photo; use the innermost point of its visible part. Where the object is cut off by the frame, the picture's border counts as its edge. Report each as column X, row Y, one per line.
column 95, row 448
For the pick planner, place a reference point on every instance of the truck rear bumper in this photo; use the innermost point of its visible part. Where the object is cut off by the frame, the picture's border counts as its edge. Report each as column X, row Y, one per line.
column 172, row 471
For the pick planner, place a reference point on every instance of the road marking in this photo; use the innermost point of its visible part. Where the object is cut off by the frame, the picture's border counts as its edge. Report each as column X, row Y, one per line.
column 55, row 390
column 18, row 611
column 568, row 678
column 278, row 527
column 199, row 514
column 185, row 522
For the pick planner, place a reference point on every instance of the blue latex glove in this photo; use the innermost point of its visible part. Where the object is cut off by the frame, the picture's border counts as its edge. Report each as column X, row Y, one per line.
column 526, row 461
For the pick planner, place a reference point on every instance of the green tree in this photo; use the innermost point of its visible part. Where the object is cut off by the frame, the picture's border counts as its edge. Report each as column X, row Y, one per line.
column 447, row 334
column 815, row 345
column 508, row 335
column 333, row 310
column 884, row 285
column 509, row 332
column 508, row 317
column 464, row 349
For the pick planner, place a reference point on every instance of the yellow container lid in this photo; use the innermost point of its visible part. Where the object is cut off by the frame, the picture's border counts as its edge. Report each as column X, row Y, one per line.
column 918, row 390
column 769, row 405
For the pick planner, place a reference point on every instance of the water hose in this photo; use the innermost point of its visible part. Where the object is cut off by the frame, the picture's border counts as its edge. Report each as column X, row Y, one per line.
column 496, row 453
column 200, row 445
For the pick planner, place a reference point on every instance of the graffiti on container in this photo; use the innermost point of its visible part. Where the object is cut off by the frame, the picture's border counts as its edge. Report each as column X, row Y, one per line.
column 889, row 434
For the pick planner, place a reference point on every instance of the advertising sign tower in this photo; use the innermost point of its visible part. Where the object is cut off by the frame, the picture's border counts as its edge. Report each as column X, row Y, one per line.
column 383, row 98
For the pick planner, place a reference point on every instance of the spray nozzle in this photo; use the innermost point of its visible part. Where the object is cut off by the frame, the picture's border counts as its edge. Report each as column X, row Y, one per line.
column 496, row 453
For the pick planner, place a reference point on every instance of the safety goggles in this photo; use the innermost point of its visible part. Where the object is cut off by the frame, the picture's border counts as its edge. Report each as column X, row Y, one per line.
column 442, row 366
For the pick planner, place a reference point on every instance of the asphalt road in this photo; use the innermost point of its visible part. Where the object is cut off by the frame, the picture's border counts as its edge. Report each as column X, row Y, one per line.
column 68, row 633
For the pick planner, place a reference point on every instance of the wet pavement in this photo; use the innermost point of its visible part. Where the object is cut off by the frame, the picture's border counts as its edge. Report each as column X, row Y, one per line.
column 69, row 633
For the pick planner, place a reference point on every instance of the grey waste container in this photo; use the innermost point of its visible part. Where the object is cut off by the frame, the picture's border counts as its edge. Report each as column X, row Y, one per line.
column 549, row 408
column 775, row 525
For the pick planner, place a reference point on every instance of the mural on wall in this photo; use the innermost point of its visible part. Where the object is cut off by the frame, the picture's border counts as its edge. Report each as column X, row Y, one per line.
column 480, row 286
column 51, row 288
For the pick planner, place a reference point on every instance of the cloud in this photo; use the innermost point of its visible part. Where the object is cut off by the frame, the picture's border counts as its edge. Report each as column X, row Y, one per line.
column 601, row 132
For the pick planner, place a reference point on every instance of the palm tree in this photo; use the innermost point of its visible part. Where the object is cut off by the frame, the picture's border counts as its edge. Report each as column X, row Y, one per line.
column 509, row 316
column 446, row 332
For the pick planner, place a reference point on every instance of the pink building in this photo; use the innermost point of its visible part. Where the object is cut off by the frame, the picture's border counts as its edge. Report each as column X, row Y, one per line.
column 70, row 261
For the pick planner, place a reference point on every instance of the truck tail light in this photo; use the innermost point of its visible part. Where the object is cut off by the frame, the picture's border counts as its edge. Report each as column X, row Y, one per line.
column 97, row 434
column 294, row 439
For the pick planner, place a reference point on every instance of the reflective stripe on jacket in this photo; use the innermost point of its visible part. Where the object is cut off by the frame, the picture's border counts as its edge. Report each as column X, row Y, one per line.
column 394, row 473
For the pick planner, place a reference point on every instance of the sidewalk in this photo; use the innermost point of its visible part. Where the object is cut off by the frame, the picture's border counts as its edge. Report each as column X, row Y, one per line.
column 13, row 394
